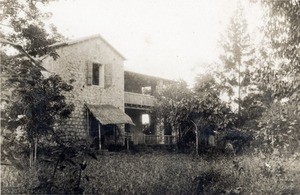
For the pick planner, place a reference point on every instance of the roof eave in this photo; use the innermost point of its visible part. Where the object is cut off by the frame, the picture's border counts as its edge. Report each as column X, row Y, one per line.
column 75, row 41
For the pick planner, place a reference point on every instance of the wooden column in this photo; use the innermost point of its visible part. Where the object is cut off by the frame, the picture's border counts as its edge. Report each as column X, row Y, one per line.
column 99, row 130
column 115, row 132
column 127, row 142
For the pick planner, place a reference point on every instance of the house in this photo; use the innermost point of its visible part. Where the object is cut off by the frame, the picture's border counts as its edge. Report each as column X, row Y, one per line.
column 109, row 101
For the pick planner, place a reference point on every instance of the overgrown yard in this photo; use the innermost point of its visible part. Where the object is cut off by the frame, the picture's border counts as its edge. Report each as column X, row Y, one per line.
column 159, row 173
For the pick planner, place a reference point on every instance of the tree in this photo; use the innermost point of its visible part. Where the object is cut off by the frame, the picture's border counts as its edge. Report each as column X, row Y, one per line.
column 280, row 82
column 165, row 104
column 187, row 111
column 279, row 128
column 207, row 83
column 236, row 57
column 202, row 110
column 282, row 22
column 33, row 104
column 282, row 37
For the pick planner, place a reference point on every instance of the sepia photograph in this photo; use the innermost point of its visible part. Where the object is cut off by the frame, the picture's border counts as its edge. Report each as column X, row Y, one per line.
column 150, row 97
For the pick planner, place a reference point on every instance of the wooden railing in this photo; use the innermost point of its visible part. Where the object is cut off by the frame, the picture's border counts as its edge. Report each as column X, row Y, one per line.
column 169, row 140
column 151, row 139
column 138, row 99
column 154, row 140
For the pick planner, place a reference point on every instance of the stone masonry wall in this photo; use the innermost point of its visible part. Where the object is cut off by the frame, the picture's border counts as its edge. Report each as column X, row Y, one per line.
column 72, row 64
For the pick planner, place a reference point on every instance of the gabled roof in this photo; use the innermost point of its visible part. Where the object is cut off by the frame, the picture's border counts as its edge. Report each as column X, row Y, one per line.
column 75, row 41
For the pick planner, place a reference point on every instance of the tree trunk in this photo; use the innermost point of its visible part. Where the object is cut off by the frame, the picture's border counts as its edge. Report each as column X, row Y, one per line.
column 35, row 150
column 30, row 155
column 197, row 137
column 239, row 91
column 99, row 131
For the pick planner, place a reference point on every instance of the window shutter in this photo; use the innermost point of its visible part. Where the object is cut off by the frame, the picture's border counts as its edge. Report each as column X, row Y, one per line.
column 108, row 75
column 89, row 72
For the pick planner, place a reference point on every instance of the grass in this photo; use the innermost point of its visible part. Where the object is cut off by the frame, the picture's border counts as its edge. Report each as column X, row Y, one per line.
column 166, row 173
column 159, row 173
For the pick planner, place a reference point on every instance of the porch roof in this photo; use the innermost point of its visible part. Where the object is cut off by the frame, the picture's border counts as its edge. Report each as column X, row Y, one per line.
column 108, row 114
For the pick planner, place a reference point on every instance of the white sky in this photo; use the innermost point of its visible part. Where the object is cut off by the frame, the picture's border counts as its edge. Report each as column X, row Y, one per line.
column 175, row 39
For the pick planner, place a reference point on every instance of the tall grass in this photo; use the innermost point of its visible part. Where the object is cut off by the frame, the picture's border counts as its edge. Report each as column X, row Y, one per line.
column 179, row 173
column 165, row 173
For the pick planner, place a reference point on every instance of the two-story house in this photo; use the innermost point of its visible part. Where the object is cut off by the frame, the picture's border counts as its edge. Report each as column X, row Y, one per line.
column 109, row 102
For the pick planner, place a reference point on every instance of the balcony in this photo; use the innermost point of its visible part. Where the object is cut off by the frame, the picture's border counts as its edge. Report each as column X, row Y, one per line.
column 136, row 100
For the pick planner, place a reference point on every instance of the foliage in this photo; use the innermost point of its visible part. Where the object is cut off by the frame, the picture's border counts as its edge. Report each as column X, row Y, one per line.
column 281, row 32
column 279, row 128
column 241, row 140
column 168, row 95
column 188, row 111
column 277, row 78
column 34, row 104
column 282, row 29
column 207, row 83
column 206, row 108
column 25, row 23
column 166, row 100
column 237, row 58
column 68, row 162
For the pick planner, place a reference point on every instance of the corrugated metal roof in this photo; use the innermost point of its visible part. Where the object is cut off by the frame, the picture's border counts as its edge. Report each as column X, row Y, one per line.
column 108, row 114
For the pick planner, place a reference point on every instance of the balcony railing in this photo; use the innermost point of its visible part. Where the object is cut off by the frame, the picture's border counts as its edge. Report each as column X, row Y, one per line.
column 138, row 99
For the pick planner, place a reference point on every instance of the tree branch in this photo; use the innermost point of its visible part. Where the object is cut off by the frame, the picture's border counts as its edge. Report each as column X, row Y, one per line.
column 22, row 50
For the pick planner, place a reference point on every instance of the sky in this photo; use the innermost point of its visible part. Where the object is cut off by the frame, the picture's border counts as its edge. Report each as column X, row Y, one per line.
column 174, row 39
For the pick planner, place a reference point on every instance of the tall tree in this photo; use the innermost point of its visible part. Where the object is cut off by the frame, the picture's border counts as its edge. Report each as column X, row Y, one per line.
column 236, row 57
column 282, row 31
column 280, row 82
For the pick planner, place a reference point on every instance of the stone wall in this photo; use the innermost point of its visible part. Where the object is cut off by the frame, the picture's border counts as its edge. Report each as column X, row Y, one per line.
column 73, row 65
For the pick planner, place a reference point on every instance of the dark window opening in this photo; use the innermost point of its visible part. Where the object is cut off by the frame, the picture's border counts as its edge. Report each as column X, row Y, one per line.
column 96, row 74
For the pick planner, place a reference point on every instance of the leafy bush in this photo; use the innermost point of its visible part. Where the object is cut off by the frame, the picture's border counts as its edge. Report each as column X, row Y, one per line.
column 241, row 140
column 279, row 128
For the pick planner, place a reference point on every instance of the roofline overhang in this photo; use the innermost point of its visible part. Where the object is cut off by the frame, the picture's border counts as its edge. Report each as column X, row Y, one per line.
column 82, row 39
column 149, row 76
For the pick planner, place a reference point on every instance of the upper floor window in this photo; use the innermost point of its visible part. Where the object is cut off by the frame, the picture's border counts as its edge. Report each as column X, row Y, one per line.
column 98, row 74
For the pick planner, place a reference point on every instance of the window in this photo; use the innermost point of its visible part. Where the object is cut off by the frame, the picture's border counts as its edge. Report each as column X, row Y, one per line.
column 147, row 90
column 98, row 74
column 145, row 119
